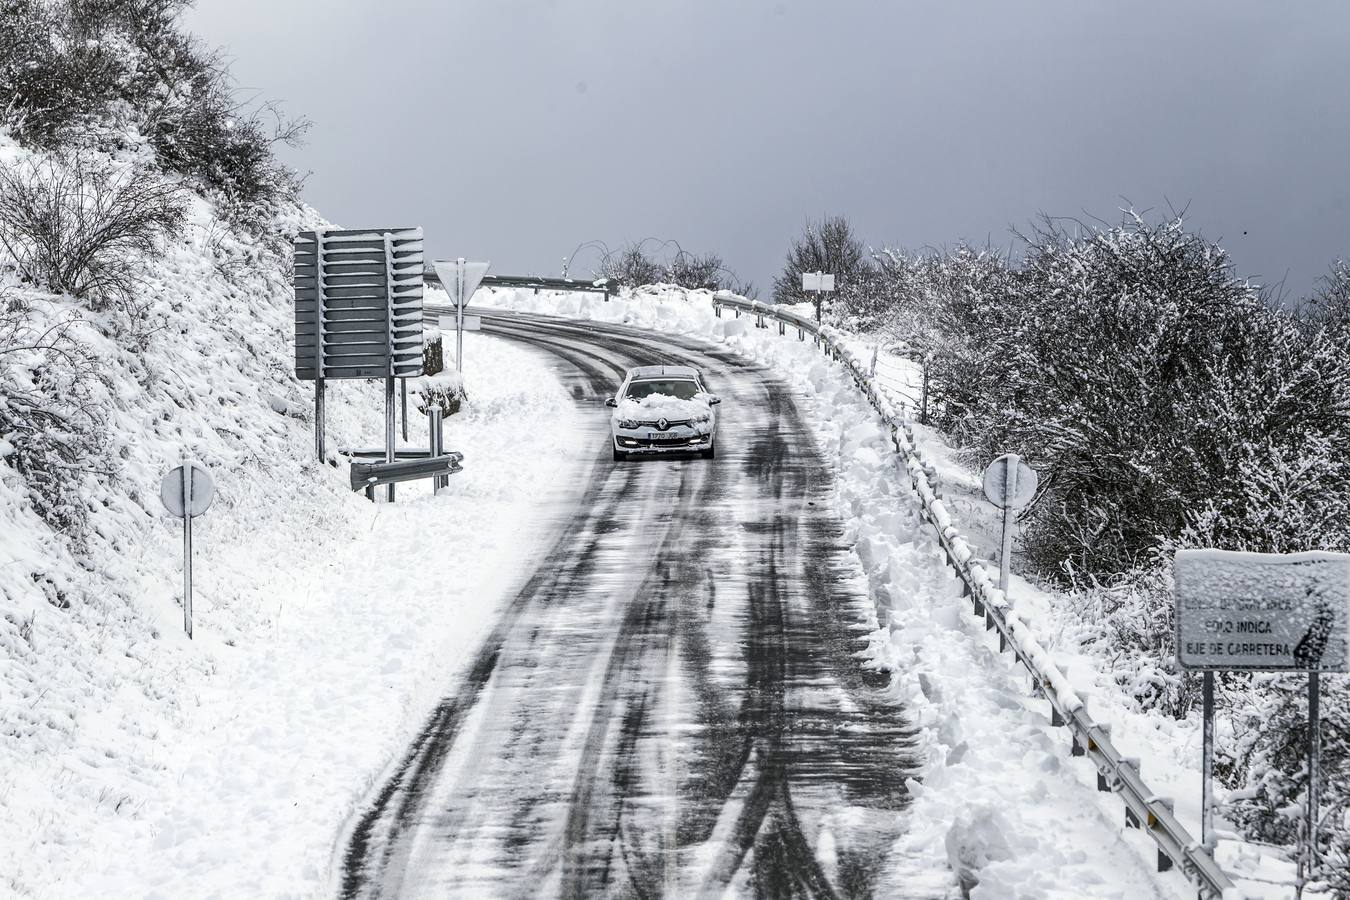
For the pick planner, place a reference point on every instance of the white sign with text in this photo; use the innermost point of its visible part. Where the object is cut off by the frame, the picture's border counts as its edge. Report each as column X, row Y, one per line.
column 1262, row 611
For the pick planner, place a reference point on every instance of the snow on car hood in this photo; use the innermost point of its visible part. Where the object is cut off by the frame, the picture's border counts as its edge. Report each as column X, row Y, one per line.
column 661, row 406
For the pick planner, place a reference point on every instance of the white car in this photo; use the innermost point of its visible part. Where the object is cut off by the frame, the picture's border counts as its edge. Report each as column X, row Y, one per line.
column 663, row 409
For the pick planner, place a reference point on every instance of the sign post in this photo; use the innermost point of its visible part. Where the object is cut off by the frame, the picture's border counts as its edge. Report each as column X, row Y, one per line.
column 820, row 283
column 187, row 492
column 1009, row 484
column 460, row 278
column 1263, row 612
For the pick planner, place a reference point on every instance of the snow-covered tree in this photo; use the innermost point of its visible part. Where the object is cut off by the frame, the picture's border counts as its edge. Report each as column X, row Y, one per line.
column 828, row 246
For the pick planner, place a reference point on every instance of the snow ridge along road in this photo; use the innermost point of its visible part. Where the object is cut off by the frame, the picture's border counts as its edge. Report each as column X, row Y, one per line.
column 672, row 704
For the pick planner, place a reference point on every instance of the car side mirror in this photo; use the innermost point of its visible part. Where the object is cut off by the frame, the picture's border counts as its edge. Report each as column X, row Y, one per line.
column 612, row 401
column 713, row 401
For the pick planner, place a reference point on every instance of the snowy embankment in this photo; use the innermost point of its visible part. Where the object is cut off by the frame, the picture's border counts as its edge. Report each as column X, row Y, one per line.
column 1001, row 796
column 134, row 762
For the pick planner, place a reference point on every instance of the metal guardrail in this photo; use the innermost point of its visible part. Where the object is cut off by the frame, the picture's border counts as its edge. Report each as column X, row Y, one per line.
column 1115, row 771
column 539, row 283
column 368, row 475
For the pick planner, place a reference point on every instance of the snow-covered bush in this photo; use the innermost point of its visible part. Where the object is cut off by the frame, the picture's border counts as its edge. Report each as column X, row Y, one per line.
column 634, row 266
column 109, row 74
column 437, row 387
column 1131, row 619
column 1157, row 393
column 1331, row 305
column 1166, row 405
column 49, row 417
column 1266, row 762
column 74, row 225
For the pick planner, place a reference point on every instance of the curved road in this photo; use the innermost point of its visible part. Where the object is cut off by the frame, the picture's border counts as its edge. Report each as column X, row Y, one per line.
column 670, row 705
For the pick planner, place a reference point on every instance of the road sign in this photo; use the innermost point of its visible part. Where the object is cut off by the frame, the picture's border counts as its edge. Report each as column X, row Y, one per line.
column 1009, row 482
column 1262, row 611
column 471, row 323
column 817, row 281
column 358, row 313
column 187, row 491
column 460, row 278
column 358, row 303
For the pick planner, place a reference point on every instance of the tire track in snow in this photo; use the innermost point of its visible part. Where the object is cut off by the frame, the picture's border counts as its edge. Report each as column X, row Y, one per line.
column 727, row 572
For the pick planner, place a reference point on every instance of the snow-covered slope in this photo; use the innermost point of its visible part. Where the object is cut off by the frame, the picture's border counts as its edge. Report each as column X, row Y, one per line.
column 136, row 763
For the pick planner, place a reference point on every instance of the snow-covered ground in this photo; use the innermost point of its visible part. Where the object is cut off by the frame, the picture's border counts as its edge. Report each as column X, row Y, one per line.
column 325, row 629
column 1001, row 796
column 134, row 762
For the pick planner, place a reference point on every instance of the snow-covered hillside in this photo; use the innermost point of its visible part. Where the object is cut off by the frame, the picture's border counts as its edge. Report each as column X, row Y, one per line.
column 136, row 763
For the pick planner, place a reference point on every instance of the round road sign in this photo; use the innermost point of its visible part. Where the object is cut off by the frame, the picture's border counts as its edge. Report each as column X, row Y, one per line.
column 1009, row 483
column 187, row 490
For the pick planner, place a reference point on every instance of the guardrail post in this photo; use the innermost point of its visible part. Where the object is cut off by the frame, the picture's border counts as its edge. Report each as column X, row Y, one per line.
column 1164, row 861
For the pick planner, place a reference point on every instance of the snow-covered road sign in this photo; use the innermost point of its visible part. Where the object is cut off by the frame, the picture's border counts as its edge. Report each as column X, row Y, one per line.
column 1010, row 482
column 817, row 281
column 460, row 278
column 471, row 323
column 188, row 490
column 1262, row 611
column 358, row 303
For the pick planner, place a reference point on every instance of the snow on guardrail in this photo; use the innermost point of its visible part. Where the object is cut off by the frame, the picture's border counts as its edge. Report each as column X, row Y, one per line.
column 1115, row 771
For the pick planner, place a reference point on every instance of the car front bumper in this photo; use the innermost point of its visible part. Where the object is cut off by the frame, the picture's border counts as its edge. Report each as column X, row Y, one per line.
column 634, row 443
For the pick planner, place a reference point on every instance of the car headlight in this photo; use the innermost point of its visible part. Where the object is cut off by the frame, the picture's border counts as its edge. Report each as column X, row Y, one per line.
column 627, row 423
column 702, row 418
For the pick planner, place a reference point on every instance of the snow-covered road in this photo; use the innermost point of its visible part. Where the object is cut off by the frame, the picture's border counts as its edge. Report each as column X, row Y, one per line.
column 672, row 704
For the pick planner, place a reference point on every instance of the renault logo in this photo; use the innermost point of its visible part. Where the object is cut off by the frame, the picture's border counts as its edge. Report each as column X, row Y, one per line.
column 662, row 424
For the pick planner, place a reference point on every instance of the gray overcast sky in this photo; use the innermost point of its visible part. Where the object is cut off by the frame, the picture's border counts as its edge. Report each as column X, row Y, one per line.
column 513, row 130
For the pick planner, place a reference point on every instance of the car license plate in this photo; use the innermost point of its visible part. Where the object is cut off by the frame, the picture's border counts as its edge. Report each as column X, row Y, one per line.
column 665, row 436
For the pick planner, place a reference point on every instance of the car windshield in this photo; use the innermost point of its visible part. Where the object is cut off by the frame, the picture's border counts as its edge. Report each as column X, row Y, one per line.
column 681, row 388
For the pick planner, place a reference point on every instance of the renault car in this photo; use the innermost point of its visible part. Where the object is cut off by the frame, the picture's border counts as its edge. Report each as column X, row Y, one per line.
column 663, row 409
